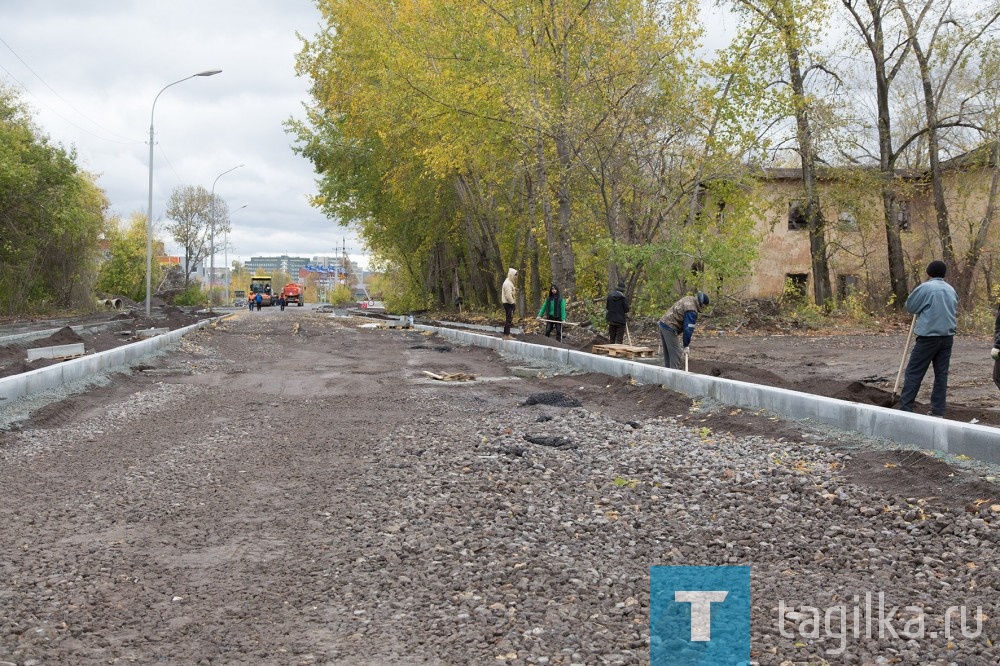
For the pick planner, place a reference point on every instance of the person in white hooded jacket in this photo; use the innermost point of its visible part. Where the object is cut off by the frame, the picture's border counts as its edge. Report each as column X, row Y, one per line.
column 508, row 297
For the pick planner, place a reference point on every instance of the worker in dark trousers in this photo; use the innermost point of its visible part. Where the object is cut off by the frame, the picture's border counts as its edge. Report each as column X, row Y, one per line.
column 508, row 296
column 617, row 312
column 680, row 319
column 258, row 299
column 281, row 302
column 935, row 305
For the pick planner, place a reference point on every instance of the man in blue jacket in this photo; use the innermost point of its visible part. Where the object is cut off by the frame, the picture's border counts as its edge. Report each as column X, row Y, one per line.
column 935, row 305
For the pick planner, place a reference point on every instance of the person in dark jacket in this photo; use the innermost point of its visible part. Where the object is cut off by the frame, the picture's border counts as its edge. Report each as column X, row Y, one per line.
column 679, row 320
column 935, row 305
column 258, row 299
column 617, row 311
column 995, row 352
column 553, row 311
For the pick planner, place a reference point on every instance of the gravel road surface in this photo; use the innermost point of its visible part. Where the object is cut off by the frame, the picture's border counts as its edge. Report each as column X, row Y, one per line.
column 272, row 494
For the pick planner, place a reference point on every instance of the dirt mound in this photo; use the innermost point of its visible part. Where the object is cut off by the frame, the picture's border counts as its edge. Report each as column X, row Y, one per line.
column 906, row 473
column 553, row 398
column 742, row 373
column 619, row 397
column 64, row 336
column 851, row 391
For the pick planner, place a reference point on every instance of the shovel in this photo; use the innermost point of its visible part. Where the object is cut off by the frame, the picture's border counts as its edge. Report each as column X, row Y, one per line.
column 582, row 324
column 902, row 361
column 628, row 336
column 686, row 354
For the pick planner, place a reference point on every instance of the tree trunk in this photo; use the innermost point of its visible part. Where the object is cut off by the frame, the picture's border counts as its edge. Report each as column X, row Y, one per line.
column 564, row 248
column 963, row 285
column 822, row 292
column 937, row 186
column 536, row 279
column 874, row 36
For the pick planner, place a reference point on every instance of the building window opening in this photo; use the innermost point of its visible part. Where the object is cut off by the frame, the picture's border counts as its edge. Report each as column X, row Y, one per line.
column 797, row 215
column 847, row 220
column 903, row 215
column 796, row 285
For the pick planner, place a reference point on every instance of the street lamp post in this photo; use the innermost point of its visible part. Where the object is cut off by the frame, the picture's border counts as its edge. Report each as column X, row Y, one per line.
column 211, row 244
column 149, row 208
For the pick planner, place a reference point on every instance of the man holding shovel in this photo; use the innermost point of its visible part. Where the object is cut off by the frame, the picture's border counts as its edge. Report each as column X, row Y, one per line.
column 935, row 305
column 680, row 319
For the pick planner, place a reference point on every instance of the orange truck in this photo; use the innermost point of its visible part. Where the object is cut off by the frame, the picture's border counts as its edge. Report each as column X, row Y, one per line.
column 293, row 293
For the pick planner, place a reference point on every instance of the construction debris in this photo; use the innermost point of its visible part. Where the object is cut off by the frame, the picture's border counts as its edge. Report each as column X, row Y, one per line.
column 554, row 441
column 151, row 332
column 552, row 398
column 450, row 376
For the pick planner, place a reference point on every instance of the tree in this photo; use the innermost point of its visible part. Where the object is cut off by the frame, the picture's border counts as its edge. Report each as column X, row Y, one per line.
column 124, row 272
column 192, row 212
column 51, row 217
column 469, row 138
column 947, row 42
column 887, row 47
column 794, row 24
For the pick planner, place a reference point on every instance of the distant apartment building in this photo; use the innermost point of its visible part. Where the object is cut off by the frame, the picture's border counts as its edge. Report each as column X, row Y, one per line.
column 284, row 263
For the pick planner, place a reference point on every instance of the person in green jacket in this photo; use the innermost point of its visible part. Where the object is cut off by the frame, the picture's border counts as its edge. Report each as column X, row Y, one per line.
column 553, row 312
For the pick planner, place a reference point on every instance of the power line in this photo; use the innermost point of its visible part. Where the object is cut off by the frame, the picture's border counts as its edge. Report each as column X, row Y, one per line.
column 127, row 140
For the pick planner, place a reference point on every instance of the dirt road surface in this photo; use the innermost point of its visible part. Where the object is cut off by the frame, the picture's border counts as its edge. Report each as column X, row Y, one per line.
column 274, row 497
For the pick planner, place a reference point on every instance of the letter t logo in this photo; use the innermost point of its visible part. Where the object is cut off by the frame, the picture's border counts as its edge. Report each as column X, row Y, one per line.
column 701, row 610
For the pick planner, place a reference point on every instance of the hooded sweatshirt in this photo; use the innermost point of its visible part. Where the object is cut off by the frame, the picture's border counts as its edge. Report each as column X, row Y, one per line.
column 509, row 292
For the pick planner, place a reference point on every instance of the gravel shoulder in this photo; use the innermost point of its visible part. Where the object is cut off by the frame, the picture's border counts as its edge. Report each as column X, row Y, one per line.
column 284, row 496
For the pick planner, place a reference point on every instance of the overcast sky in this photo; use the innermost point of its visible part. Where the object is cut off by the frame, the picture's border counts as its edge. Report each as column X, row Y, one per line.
column 90, row 69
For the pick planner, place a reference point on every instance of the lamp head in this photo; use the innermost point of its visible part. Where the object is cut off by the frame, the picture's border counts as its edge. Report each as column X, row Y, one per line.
column 209, row 72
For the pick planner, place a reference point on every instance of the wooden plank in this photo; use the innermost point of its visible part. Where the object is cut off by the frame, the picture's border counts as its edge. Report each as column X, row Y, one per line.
column 450, row 376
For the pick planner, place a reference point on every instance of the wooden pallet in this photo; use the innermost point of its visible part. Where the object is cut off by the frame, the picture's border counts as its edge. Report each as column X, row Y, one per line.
column 624, row 351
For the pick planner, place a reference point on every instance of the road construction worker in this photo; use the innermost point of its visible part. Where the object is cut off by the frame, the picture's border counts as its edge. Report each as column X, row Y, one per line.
column 680, row 320
column 250, row 301
column 508, row 296
column 935, row 305
column 617, row 312
column 553, row 311
column 258, row 299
